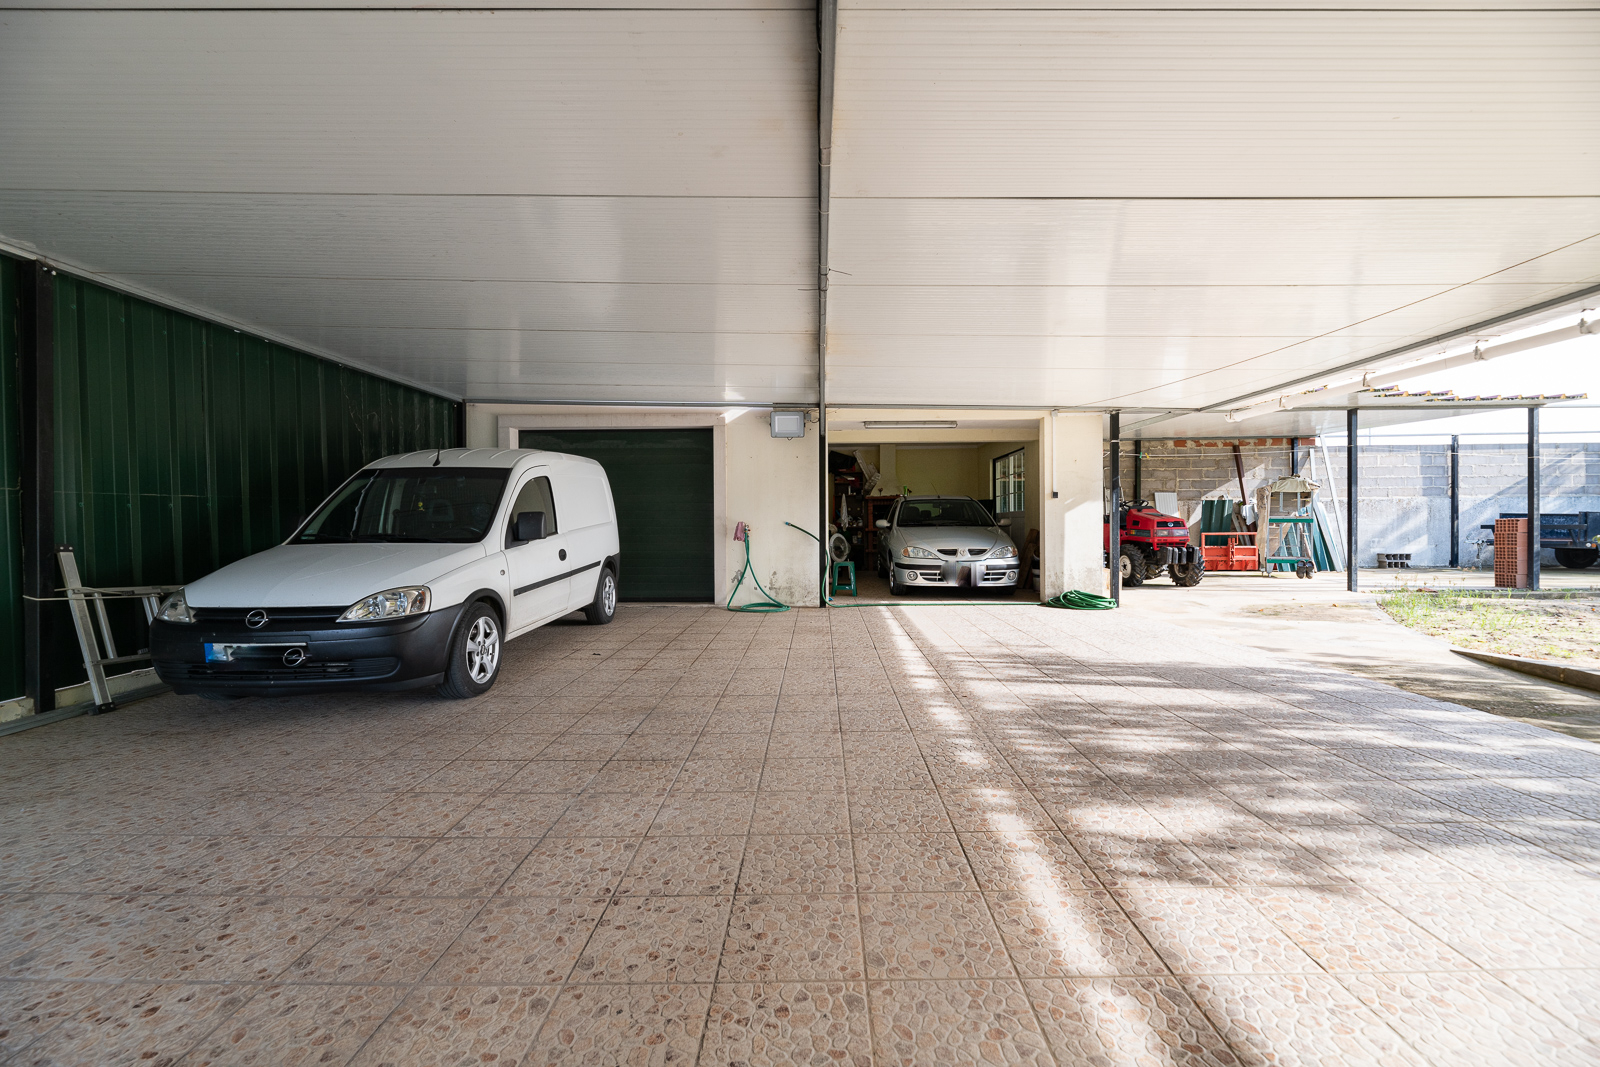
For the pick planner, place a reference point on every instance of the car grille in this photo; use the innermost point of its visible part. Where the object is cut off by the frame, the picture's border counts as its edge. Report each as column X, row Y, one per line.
column 949, row 551
column 277, row 618
column 976, row 551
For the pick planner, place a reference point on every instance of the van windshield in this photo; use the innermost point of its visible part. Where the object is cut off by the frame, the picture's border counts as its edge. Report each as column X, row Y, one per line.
column 429, row 505
column 953, row 512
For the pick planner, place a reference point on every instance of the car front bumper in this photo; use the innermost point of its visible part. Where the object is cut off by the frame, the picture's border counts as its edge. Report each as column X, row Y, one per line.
column 305, row 655
column 975, row 574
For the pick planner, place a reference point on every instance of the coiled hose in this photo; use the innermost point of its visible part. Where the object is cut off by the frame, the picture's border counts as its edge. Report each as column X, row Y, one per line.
column 1074, row 598
column 768, row 606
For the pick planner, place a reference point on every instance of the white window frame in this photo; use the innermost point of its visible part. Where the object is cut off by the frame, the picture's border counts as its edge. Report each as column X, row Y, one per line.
column 1009, row 481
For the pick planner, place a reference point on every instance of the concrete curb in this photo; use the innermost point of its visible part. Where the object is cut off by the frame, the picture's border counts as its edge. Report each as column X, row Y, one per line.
column 1539, row 668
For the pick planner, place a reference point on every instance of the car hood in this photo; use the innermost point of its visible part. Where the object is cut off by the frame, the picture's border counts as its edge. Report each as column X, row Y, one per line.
column 299, row 576
column 958, row 537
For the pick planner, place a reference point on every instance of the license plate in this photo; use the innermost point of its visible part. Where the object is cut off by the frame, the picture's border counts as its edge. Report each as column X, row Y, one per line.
column 220, row 652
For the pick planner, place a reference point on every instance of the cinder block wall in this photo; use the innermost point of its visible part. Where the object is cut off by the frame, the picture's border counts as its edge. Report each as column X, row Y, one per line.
column 1405, row 501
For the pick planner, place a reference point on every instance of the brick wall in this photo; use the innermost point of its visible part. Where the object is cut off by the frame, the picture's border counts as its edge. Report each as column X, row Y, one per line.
column 1405, row 488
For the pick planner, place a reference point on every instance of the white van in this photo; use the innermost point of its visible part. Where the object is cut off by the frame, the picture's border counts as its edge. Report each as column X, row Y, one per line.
column 413, row 573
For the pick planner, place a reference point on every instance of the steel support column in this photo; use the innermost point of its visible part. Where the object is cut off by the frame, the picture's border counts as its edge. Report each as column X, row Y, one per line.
column 1455, row 501
column 1294, row 456
column 1534, row 519
column 1114, row 524
column 827, row 39
column 37, row 382
column 1352, row 497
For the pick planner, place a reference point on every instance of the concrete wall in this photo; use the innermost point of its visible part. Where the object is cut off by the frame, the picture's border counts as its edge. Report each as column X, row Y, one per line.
column 1405, row 502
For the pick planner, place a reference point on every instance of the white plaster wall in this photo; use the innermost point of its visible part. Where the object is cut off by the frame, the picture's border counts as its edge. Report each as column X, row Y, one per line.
column 1071, row 476
column 769, row 482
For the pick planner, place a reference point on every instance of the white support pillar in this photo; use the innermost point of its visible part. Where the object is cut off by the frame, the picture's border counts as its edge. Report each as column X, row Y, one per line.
column 1072, row 507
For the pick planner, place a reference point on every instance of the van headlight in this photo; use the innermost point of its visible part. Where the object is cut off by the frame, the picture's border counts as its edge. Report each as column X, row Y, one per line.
column 175, row 609
column 918, row 552
column 1004, row 552
column 389, row 604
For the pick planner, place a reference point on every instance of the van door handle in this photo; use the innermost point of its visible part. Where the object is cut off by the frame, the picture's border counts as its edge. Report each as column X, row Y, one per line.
column 562, row 554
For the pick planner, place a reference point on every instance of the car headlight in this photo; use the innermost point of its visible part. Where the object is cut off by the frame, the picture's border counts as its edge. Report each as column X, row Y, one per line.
column 918, row 552
column 389, row 604
column 175, row 609
column 1004, row 552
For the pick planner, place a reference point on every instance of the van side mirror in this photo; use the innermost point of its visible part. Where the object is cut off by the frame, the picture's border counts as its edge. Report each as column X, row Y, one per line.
column 529, row 526
column 882, row 524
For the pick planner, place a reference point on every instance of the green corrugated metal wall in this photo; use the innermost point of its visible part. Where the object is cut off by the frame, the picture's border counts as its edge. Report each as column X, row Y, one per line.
column 182, row 445
column 10, row 482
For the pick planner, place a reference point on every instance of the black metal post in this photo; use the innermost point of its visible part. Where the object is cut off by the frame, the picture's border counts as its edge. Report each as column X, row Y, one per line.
column 37, row 382
column 1455, row 501
column 1114, row 524
column 1294, row 456
column 1352, row 496
column 1534, row 519
column 1138, row 473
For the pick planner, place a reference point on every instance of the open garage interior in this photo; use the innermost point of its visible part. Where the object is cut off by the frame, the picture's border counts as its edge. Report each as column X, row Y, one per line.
column 434, row 443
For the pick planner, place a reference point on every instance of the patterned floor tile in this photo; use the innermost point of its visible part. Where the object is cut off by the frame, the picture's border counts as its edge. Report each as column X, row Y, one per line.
column 1126, row 1022
column 388, row 940
column 572, row 866
column 1071, row 934
column 965, row 1022
column 29, row 1010
column 520, row 941
column 684, row 866
column 798, row 863
column 1033, row 860
column 793, row 937
column 931, row 935
column 656, row 939
column 135, row 1023
column 901, row 811
column 460, row 867
column 1212, row 931
column 686, row 814
column 911, row 863
column 1353, row 930
column 1298, row 1021
column 777, row 1024
column 801, row 813
column 297, row 1026
column 636, row 1025
column 461, row 1025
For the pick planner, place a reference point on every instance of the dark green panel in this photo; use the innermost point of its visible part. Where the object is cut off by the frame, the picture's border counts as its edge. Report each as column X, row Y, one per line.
column 11, row 681
column 183, row 445
column 662, row 483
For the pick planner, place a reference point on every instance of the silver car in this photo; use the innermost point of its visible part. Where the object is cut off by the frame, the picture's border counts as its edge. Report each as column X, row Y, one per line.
column 945, row 541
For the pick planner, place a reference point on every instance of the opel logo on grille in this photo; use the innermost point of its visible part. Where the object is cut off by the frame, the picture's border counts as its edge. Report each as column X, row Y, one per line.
column 294, row 657
column 256, row 619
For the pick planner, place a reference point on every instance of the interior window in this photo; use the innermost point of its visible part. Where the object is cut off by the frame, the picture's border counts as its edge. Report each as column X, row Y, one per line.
column 536, row 495
column 1009, row 481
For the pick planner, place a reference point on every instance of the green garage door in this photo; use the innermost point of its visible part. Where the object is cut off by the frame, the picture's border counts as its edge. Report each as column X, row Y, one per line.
column 661, row 480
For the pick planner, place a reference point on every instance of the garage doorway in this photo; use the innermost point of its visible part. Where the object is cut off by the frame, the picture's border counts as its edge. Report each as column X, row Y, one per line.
column 662, row 482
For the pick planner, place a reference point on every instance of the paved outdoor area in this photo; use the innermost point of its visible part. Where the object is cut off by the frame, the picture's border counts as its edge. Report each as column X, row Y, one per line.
column 994, row 834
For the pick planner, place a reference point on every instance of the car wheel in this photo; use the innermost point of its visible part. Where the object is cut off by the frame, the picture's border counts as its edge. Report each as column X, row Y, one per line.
column 604, row 607
column 1132, row 567
column 895, row 588
column 474, row 654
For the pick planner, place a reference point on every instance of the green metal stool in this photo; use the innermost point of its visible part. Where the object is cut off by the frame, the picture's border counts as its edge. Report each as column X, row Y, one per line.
column 839, row 567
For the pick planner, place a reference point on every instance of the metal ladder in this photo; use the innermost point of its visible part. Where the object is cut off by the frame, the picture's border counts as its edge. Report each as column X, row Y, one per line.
column 94, row 631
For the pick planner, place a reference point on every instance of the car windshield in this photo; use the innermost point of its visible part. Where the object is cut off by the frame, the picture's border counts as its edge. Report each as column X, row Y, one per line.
column 955, row 512
column 429, row 505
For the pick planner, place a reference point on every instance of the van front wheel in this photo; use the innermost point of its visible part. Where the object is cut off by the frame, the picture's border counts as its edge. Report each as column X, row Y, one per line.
column 604, row 606
column 474, row 654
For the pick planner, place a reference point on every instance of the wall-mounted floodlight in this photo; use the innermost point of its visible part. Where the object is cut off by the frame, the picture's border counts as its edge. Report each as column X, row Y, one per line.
column 788, row 423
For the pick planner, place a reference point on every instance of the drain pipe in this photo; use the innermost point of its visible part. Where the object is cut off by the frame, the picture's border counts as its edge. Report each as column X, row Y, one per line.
column 827, row 39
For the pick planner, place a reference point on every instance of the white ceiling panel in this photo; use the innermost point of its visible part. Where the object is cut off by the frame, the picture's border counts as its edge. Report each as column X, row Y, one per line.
column 1005, row 103
column 1341, row 241
column 638, row 103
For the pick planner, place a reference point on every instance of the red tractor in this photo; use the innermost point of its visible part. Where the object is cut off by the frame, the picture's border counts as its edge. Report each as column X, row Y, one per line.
column 1151, row 541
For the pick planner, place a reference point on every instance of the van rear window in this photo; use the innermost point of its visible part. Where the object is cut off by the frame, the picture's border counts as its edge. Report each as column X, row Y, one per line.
column 427, row 505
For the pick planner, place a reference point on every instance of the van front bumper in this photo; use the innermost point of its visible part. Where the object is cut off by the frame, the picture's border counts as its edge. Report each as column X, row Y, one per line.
column 300, row 651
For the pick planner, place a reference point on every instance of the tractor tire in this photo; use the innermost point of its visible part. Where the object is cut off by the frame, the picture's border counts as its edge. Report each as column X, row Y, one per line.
column 1132, row 567
column 1576, row 559
column 1187, row 574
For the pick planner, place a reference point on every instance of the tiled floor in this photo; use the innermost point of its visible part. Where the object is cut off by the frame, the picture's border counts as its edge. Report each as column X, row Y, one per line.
column 898, row 836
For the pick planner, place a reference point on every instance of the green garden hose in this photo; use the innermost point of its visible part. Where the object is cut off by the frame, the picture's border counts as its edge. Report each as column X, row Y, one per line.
column 1072, row 598
column 768, row 606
